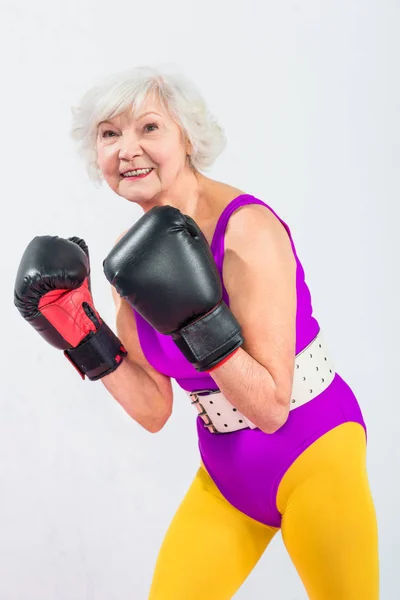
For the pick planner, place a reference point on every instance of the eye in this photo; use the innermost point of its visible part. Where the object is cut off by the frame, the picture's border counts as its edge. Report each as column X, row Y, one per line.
column 105, row 133
column 150, row 127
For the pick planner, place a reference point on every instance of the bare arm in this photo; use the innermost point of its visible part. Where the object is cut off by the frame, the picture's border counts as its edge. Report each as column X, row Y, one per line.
column 261, row 282
column 143, row 392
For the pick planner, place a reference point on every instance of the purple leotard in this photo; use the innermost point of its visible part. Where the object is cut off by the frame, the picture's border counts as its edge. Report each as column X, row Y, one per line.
column 248, row 465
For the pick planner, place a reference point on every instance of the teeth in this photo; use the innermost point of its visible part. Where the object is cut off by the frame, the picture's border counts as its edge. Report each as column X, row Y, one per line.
column 137, row 172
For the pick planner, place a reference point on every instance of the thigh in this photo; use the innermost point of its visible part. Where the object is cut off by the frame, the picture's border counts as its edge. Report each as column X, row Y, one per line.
column 328, row 518
column 209, row 549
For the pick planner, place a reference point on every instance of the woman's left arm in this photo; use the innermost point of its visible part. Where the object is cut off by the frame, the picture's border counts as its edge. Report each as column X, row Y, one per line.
column 259, row 274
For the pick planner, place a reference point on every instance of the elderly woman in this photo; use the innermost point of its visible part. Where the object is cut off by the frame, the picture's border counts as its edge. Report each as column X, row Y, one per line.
column 209, row 291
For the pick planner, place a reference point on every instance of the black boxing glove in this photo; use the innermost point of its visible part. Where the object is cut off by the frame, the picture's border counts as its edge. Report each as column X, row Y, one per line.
column 52, row 293
column 164, row 268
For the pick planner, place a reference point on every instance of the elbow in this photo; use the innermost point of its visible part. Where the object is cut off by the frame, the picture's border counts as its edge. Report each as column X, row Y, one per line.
column 155, row 425
column 277, row 417
column 153, row 429
column 272, row 426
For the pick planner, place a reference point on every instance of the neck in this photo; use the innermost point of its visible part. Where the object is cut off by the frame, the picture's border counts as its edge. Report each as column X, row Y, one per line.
column 189, row 194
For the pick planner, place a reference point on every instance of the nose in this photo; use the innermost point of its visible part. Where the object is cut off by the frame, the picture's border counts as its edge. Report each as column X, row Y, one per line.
column 130, row 147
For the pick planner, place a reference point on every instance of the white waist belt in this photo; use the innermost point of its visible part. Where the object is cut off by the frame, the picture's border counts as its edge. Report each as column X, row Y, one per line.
column 313, row 373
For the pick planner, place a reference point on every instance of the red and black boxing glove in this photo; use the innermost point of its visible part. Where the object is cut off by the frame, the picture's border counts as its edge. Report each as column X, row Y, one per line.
column 52, row 293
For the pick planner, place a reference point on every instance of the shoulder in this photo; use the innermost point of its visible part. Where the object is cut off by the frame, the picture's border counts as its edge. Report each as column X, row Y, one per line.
column 255, row 227
column 258, row 255
column 258, row 216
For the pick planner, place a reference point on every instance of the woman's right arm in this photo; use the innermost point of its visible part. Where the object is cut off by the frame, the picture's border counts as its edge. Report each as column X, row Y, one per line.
column 145, row 393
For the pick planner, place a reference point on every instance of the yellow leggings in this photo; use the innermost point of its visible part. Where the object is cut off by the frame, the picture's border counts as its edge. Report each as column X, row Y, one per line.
column 328, row 527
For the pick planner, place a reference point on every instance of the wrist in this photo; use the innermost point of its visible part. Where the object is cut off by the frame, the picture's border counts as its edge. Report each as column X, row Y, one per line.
column 223, row 361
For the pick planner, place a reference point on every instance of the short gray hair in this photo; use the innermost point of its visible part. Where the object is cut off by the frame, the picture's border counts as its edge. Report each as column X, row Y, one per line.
column 129, row 89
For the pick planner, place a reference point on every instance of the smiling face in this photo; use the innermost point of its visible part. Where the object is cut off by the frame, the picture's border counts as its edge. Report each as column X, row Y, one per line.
column 142, row 156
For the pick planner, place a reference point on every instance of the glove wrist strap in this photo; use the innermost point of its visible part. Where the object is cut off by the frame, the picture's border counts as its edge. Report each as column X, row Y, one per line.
column 210, row 339
column 99, row 354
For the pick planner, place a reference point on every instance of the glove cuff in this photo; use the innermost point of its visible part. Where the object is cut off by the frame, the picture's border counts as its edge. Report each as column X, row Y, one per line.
column 209, row 340
column 99, row 354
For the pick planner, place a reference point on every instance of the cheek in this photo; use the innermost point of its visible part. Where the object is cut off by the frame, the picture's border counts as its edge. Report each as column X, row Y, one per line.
column 169, row 154
column 106, row 160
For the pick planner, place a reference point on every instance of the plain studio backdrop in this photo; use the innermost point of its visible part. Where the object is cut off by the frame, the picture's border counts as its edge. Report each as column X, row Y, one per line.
column 309, row 96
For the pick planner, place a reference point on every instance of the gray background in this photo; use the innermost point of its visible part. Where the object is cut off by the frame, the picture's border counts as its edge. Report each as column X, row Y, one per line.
column 309, row 96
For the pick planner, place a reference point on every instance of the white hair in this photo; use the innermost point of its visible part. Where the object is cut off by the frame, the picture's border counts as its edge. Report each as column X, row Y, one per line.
column 129, row 90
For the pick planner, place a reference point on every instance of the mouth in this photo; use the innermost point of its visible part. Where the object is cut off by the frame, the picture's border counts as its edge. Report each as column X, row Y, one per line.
column 136, row 173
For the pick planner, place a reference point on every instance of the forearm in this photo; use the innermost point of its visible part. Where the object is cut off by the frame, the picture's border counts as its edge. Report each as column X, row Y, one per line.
column 139, row 395
column 251, row 389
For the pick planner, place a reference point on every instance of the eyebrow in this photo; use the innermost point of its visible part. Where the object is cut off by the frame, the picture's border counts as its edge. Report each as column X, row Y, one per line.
column 150, row 112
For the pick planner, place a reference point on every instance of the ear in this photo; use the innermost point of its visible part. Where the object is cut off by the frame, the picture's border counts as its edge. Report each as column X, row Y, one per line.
column 188, row 147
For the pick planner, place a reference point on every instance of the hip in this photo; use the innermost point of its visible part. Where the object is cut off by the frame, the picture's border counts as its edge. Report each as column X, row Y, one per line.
column 248, row 465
